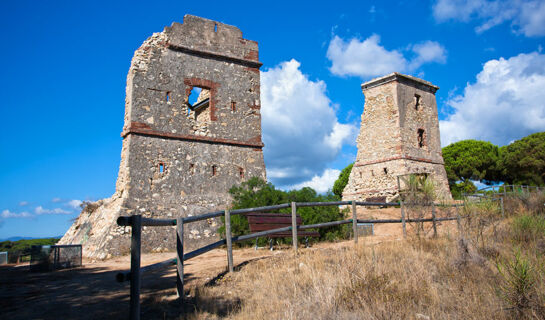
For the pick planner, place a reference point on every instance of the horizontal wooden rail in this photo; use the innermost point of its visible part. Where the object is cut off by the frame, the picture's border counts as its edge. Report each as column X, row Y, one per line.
column 322, row 204
column 377, row 204
column 126, row 221
column 325, row 224
column 260, row 234
column 234, row 212
column 205, row 249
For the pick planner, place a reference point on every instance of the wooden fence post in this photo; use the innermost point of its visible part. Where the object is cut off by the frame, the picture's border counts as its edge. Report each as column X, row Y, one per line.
column 433, row 220
column 294, row 225
column 355, row 221
column 504, row 191
column 403, row 222
column 180, row 258
column 502, row 209
column 136, row 244
column 458, row 220
column 228, row 238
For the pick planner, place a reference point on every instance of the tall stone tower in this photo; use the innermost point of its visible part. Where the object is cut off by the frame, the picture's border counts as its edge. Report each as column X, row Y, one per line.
column 399, row 135
column 180, row 157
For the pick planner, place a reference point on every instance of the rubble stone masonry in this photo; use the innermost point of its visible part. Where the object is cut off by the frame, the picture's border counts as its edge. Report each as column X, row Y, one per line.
column 399, row 135
column 177, row 160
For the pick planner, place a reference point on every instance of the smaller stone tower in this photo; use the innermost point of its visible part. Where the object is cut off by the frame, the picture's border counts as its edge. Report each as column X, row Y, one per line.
column 399, row 135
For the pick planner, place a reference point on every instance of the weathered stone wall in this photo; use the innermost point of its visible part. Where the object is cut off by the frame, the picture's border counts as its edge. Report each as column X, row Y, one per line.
column 399, row 135
column 177, row 162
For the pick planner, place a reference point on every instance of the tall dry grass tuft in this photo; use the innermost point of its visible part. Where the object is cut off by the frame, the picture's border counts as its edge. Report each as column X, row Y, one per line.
column 418, row 198
column 525, row 203
column 388, row 280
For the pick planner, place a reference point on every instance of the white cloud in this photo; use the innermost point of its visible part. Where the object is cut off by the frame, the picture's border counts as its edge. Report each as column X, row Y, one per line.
column 41, row 210
column 427, row 52
column 75, row 204
column 526, row 16
column 56, row 200
column 506, row 102
column 8, row 214
column 368, row 58
column 301, row 131
column 321, row 183
column 23, row 203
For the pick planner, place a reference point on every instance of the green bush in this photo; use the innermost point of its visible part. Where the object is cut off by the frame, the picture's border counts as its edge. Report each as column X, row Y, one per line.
column 257, row 193
column 342, row 181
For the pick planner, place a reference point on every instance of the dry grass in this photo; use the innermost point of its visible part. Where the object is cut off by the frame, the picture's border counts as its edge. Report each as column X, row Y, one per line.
column 486, row 274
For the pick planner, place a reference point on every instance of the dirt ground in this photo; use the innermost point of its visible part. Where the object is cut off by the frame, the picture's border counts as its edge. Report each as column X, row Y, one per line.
column 91, row 292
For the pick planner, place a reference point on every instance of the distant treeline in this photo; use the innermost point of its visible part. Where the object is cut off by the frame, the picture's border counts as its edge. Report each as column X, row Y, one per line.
column 19, row 250
column 521, row 162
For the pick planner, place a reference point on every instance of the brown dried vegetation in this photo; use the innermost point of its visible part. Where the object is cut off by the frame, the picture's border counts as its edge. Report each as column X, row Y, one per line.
column 487, row 273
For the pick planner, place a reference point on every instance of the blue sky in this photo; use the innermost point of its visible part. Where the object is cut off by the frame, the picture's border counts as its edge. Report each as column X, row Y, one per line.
column 64, row 66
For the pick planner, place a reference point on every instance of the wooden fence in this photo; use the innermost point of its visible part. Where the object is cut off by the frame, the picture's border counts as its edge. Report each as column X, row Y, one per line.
column 136, row 222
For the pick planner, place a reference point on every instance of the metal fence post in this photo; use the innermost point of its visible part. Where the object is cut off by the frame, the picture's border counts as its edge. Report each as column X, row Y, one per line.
column 228, row 239
column 434, row 219
column 136, row 244
column 294, row 224
column 180, row 258
column 355, row 221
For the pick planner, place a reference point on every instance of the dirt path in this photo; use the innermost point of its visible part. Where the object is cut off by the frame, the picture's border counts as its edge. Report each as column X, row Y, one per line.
column 91, row 292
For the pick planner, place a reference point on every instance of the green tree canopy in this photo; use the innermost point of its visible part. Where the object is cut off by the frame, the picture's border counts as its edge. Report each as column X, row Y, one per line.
column 523, row 161
column 342, row 180
column 471, row 160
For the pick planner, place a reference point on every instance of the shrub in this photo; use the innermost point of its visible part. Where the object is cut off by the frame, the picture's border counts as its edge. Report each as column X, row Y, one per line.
column 257, row 193
column 478, row 218
column 528, row 228
column 517, row 284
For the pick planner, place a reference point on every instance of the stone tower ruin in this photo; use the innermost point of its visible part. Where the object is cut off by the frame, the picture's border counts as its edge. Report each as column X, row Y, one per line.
column 399, row 135
column 180, row 157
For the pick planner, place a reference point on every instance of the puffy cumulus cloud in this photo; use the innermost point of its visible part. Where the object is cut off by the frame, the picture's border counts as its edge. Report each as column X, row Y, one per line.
column 9, row 214
column 526, row 16
column 427, row 52
column 506, row 102
column 368, row 58
column 322, row 183
column 42, row 210
column 301, row 131
column 75, row 204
